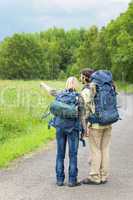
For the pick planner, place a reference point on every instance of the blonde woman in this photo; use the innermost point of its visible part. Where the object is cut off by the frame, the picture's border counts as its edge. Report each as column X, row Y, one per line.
column 67, row 130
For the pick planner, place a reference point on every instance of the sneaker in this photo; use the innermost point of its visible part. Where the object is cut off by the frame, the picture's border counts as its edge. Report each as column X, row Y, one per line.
column 88, row 181
column 104, row 182
column 75, row 184
column 59, row 183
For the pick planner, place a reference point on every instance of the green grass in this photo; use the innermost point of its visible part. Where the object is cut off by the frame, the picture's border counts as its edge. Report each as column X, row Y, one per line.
column 125, row 87
column 22, row 104
column 13, row 148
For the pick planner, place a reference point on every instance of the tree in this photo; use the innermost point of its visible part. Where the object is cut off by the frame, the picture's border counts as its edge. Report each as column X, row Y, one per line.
column 20, row 57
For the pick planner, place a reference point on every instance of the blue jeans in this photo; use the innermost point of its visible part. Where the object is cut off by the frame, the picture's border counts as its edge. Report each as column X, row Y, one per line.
column 73, row 143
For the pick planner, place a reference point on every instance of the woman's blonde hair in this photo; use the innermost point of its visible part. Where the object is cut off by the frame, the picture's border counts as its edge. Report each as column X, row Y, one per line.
column 72, row 83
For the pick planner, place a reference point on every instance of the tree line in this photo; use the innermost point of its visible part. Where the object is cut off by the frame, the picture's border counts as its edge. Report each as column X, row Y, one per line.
column 56, row 53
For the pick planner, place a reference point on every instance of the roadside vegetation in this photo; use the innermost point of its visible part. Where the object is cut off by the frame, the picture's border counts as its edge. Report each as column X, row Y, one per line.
column 22, row 104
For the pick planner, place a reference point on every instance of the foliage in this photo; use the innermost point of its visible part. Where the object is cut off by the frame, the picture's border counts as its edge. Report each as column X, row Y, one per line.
column 56, row 53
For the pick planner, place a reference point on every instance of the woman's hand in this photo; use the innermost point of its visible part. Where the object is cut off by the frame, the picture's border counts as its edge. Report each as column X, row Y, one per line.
column 45, row 86
column 42, row 84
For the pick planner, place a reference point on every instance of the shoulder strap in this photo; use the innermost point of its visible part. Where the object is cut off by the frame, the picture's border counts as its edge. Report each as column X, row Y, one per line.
column 86, row 86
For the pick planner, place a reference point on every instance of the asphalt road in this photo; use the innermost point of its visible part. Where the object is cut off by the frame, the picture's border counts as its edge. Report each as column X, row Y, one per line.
column 32, row 177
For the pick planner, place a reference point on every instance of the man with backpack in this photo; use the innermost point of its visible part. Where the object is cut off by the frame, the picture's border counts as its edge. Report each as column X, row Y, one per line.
column 100, row 112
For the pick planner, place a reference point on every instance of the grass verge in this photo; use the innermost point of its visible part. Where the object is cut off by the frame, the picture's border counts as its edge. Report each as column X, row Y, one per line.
column 16, row 147
column 125, row 87
column 21, row 130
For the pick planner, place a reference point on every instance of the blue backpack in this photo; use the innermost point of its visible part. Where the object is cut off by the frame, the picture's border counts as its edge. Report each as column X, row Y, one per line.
column 65, row 111
column 105, row 100
column 65, row 105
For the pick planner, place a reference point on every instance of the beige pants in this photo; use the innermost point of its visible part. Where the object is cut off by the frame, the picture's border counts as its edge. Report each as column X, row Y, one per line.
column 99, row 141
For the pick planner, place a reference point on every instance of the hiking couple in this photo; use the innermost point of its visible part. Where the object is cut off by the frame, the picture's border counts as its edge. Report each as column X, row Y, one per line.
column 91, row 112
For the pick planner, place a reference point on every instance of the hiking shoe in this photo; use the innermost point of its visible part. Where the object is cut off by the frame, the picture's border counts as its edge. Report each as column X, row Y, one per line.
column 75, row 184
column 104, row 182
column 59, row 183
column 88, row 181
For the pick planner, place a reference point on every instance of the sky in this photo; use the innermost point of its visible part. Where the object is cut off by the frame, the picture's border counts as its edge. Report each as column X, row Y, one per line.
column 39, row 15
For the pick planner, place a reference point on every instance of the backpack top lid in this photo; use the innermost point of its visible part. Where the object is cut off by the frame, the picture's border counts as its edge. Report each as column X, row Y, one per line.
column 101, row 77
column 68, row 96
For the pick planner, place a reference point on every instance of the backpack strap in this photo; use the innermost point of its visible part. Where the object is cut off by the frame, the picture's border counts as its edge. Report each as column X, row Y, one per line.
column 46, row 113
column 86, row 86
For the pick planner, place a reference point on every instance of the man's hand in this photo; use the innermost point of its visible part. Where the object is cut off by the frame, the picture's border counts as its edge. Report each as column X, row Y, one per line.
column 87, row 133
